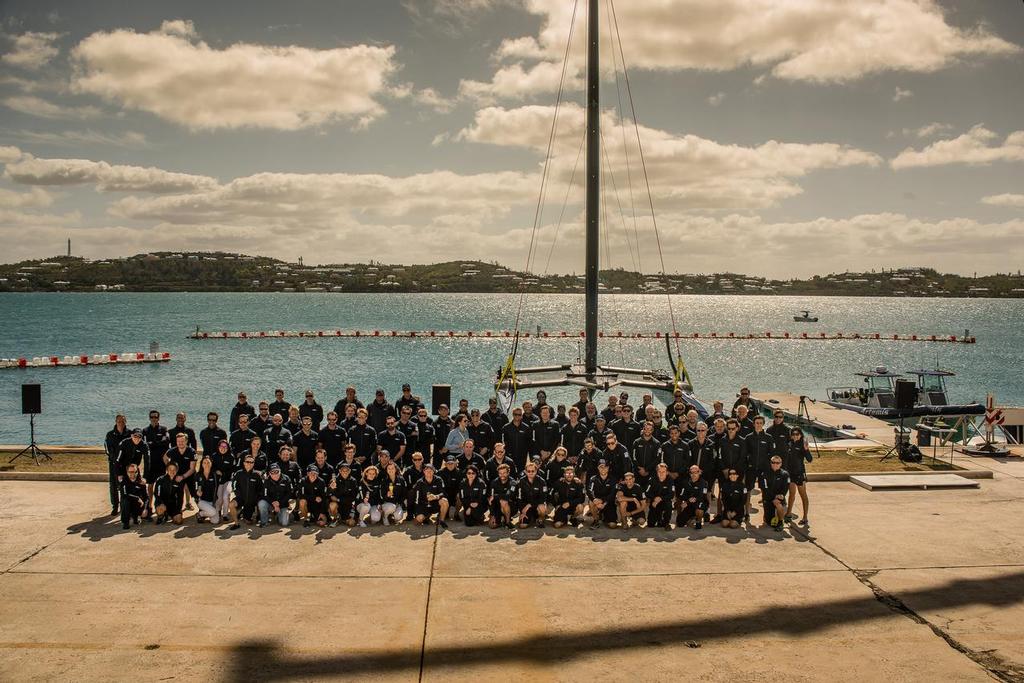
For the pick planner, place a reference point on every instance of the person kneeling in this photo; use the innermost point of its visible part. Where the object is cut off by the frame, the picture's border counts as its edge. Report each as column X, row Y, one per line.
column 344, row 492
column 247, row 485
column 568, row 498
column 369, row 497
column 631, row 501
column 533, row 498
column 429, row 498
column 734, row 500
column 601, row 490
column 693, row 500
column 774, row 487
column 133, row 497
column 313, row 497
column 169, row 495
column 661, row 496
column 473, row 495
column 277, row 497
column 503, row 492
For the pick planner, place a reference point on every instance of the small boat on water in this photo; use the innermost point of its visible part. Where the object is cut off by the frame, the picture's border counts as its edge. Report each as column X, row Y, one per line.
column 805, row 317
column 878, row 397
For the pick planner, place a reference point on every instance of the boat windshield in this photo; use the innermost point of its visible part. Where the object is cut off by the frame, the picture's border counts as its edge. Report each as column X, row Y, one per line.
column 932, row 383
column 876, row 384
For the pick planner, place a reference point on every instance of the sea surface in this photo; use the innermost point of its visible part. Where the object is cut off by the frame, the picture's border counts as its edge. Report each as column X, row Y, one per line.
column 79, row 403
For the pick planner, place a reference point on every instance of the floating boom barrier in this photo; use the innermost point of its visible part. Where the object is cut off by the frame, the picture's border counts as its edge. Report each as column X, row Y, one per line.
column 85, row 359
column 563, row 334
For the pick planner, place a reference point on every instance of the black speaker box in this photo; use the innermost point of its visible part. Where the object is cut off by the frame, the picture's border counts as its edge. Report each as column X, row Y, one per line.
column 440, row 393
column 906, row 394
column 31, row 399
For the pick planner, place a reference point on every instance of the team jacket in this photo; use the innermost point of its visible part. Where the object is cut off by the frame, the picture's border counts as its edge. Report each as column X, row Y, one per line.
column 483, row 436
column 280, row 491
column 473, row 493
column 423, row 488
column 694, row 489
column 570, row 492
column 503, row 490
column 676, row 456
column 135, row 490
column 546, row 436
column 646, row 455
column 734, row 496
column 732, row 454
column 275, row 437
column 112, row 442
column 796, row 455
column 554, row 469
column 210, row 437
column 392, row 491
column 491, row 468
column 131, row 454
column 240, row 440
column 369, row 491
column 365, row 439
column 532, row 492
column 705, row 456
column 169, row 492
column 601, row 489
column 666, row 490
column 206, row 487
column 247, row 486
column 774, row 483
column 760, row 447
column 518, row 442
column 311, row 490
column 345, row 488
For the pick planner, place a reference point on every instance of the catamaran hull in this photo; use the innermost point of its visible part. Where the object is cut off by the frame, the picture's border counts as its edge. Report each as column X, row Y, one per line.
column 894, row 414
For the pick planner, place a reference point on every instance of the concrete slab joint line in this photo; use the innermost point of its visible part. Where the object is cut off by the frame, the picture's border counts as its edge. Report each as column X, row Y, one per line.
column 994, row 665
column 426, row 608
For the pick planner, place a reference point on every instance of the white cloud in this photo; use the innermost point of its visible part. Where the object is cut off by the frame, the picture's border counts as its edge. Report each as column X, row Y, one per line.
column 9, row 154
column 929, row 130
column 176, row 76
column 716, row 99
column 685, row 171
column 821, row 41
column 514, row 82
column 901, row 94
column 1014, row 200
column 35, row 198
column 32, row 50
column 972, row 148
column 106, row 177
column 37, row 106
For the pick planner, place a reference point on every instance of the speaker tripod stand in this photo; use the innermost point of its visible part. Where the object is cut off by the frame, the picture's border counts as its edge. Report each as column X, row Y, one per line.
column 899, row 448
column 32, row 448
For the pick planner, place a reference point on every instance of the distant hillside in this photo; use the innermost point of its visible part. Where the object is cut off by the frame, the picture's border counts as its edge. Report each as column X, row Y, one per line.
column 224, row 272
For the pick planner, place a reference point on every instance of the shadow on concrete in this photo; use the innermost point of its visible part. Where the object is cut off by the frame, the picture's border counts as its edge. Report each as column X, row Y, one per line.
column 268, row 660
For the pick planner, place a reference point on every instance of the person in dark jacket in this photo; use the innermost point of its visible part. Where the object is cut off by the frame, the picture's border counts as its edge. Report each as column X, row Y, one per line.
column 533, row 498
column 451, row 477
column 134, row 498
column 349, row 398
column 333, row 439
column 735, row 499
column 429, row 498
column 311, row 409
column 601, row 490
column 305, row 443
column 518, row 439
column 247, row 485
column 554, row 469
column 369, row 496
column 379, row 410
column 732, row 454
column 547, row 434
column 693, row 499
column 661, row 496
column 263, row 419
column 482, row 434
column 279, row 406
column 134, row 451
column 243, row 407
column 207, row 482
column 225, row 464
column 617, row 456
column 343, row 492
column 646, row 454
column 262, row 462
column 501, row 495
column 393, row 494
column 169, row 495
column 473, row 497
column 181, row 428
column 312, row 497
column 155, row 435
column 760, row 446
column 241, row 437
column 774, row 488
column 277, row 435
column 278, row 492
column 568, row 498
column 675, row 453
column 797, row 454
column 407, row 400
column 212, row 434
column 112, row 447
column 494, row 417
column 779, row 433
column 363, row 437
column 185, row 457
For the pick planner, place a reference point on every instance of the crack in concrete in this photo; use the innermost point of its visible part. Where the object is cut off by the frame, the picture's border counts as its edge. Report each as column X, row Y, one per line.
column 426, row 610
column 994, row 665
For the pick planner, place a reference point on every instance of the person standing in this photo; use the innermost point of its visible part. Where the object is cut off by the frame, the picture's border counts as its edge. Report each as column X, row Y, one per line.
column 547, row 434
column 306, row 443
column 481, row 432
column 241, row 437
column 261, row 423
column 363, row 437
column 379, row 411
column 494, row 417
column 279, row 406
column 518, row 439
column 158, row 442
column 392, row 440
column 112, row 447
column 311, row 409
column 796, row 455
column 243, row 407
column 212, row 434
column 181, row 428
column 407, row 400
column 333, row 439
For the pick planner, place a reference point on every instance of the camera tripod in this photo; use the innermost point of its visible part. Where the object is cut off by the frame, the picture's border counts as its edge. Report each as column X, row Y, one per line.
column 898, row 447
column 32, row 448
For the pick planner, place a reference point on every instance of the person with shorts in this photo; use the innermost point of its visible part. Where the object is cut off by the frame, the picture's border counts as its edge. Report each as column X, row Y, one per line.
column 797, row 454
column 631, row 501
column 501, row 495
column 429, row 499
column 568, row 498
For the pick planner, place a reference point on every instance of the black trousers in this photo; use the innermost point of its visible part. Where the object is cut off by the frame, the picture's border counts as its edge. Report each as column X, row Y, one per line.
column 660, row 514
column 131, row 508
column 112, row 482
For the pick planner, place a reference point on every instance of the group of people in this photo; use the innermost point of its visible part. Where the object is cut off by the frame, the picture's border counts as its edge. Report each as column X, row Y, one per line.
column 386, row 463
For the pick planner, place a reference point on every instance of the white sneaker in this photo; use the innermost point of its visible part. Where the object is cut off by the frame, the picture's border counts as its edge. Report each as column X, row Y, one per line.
column 362, row 523
column 386, row 522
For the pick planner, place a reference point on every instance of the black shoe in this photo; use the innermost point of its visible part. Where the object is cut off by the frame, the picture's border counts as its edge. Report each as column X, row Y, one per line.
column 700, row 524
column 161, row 519
column 667, row 526
column 443, row 524
column 125, row 526
column 717, row 519
column 746, row 518
column 596, row 524
column 113, row 511
column 235, row 526
column 135, row 520
column 305, row 523
column 540, row 525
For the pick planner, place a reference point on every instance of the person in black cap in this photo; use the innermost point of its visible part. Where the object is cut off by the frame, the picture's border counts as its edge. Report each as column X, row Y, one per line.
column 451, row 477
column 501, row 494
column 379, row 410
column 277, row 497
column 407, row 400
column 494, row 417
column 601, row 489
column 631, row 501
column 568, row 498
column 533, row 498
column 344, row 493
column 735, row 495
column 473, row 496
column 599, row 432
column 243, row 407
column 429, row 498
column 661, row 496
column 169, row 495
column 247, row 485
column 312, row 498
column 155, row 435
column 134, row 451
column 112, row 447
column 693, row 499
column 134, row 499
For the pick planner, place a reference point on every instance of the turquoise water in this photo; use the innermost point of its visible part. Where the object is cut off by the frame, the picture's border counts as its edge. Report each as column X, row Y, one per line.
column 79, row 403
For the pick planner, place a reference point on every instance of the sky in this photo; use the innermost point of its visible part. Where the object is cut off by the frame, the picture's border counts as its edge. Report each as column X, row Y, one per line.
column 782, row 138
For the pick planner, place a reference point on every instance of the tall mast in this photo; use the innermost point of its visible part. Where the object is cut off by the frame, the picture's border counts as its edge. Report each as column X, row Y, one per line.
column 593, row 181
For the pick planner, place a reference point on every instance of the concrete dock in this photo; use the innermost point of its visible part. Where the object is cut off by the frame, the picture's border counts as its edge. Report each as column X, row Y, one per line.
column 892, row 585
